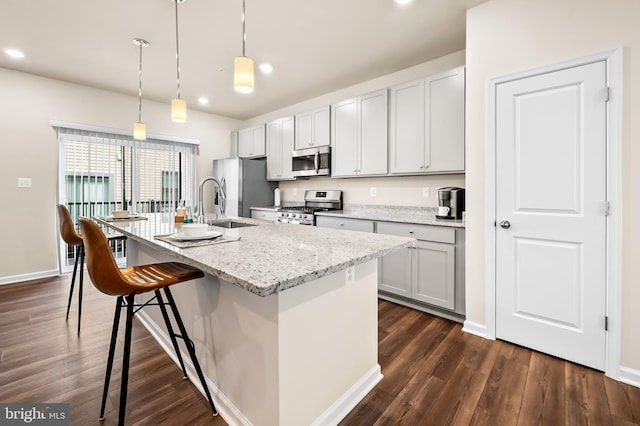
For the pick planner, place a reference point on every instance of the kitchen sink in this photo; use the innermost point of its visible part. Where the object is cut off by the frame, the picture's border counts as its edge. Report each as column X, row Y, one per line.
column 229, row 224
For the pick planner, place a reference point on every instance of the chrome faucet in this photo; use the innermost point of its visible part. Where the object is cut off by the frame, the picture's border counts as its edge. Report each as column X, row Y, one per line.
column 221, row 198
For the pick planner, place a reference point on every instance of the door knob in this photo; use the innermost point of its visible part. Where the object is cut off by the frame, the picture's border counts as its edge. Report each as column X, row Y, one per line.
column 505, row 224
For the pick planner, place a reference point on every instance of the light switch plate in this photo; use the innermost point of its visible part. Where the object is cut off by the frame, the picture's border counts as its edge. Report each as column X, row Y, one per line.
column 24, row 182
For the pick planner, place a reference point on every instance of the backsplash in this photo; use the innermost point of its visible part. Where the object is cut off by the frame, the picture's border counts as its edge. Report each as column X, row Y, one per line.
column 389, row 191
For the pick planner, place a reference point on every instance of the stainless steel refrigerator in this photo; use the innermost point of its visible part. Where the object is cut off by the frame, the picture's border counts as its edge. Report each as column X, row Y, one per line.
column 245, row 185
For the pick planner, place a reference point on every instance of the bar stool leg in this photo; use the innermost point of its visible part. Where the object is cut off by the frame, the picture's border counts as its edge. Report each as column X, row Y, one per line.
column 190, row 348
column 73, row 278
column 172, row 334
column 80, row 289
column 125, row 361
column 112, row 348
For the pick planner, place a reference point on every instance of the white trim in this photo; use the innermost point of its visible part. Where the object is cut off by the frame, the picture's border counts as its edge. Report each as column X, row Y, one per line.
column 630, row 376
column 475, row 329
column 91, row 128
column 343, row 405
column 613, row 59
column 12, row 279
column 226, row 409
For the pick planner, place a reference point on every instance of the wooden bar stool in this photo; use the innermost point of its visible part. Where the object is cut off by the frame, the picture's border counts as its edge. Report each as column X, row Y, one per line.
column 73, row 239
column 125, row 283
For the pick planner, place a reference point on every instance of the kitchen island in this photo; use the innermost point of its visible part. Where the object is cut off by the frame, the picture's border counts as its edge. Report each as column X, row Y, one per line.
column 285, row 319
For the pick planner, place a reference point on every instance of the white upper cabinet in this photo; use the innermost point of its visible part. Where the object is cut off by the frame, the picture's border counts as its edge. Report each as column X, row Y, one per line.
column 280, row 136
column 427, row 125
column 252, row 142
column 359, row 135
column 312, row 128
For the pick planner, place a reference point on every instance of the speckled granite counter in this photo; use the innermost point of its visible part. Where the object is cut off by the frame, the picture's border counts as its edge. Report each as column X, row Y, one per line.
column 314, row 331
column 419, row 215
column 270, row 257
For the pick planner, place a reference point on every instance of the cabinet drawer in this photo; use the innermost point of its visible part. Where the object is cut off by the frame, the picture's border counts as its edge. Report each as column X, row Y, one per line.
column 439, row 234
column 264, row 215
column 349, row 224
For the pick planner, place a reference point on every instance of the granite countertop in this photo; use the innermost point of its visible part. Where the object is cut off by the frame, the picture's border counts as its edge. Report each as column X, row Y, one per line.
column 269, row 257
column 418, row 215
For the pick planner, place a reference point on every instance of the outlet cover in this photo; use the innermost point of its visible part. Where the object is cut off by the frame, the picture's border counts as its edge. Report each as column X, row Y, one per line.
column 374, row 191
column 350, row 275
column 425, row 192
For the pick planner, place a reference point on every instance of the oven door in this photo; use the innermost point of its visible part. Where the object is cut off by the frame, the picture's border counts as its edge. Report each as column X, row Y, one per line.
column 311, row 161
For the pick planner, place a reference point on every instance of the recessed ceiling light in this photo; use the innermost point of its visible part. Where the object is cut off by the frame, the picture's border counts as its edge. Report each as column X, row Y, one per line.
column 14, row 53
column 403, row 2
column 202, row 100
column 265, row 68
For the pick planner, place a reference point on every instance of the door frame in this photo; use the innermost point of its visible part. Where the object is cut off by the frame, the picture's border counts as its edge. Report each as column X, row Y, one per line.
column 613, row 60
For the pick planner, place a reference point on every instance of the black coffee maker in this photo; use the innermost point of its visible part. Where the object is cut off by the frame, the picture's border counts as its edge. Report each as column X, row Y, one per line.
column 450, row 203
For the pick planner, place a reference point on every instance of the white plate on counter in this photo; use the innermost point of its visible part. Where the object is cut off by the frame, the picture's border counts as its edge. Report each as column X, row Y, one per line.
column 209, row 235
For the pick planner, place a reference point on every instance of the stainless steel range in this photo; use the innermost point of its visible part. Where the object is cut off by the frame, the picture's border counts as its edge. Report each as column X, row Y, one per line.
column 314, row 201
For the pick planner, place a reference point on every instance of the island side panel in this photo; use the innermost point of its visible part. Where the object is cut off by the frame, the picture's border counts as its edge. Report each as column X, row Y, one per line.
column 328, row 334
column 236, row 338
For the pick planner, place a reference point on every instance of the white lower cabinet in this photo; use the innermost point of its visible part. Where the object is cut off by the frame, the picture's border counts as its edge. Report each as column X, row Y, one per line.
column 424, row 273
column 271, row 215
column 428, row 276
column 347, row 224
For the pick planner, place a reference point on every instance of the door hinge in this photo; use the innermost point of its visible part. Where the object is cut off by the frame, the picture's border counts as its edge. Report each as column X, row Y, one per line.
column 606, row 323
column 607, row 93
column 607, row 208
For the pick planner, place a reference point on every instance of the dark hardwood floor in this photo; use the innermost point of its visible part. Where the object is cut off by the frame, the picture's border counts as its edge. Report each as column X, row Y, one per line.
column 434, row 373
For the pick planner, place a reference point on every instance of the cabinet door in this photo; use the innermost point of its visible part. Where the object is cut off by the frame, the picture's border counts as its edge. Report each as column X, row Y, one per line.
column 245, row 143
column 304, row 130
column 274, row 150
column 445, row 121
column 407, row 120
column 344, row 136
column 258, row 139
column 394, row 272
column 234, row 144
column 434, row 274
column 373, row 135
column 321, row 126
column 288, row 137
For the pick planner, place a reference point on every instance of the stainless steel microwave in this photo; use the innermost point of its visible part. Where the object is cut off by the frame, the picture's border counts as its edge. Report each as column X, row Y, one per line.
column 311, row 161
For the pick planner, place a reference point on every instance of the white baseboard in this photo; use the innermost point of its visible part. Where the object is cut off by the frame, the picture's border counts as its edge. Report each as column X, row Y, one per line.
column 339, row 409
column 28, row 277
column 475, row 328
column 630, row 376
column 225, row 407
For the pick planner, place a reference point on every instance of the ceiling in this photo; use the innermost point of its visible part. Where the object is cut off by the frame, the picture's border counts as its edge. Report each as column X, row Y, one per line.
column 315, row 46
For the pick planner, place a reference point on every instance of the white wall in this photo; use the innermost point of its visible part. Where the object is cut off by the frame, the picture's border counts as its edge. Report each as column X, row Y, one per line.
column 506, row 36
column 400, row 191
column 29, row 146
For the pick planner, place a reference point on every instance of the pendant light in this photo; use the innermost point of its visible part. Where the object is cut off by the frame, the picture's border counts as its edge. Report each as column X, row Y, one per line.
column 243, row 66
column 139, row 128
column 178, row 106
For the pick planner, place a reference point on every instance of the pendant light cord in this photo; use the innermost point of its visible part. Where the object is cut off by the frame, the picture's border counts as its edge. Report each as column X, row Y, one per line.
column 177, row 51
column 244, row 34
column 140, row 87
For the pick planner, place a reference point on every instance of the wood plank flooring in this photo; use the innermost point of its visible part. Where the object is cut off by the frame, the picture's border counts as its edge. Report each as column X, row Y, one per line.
column 434, row 373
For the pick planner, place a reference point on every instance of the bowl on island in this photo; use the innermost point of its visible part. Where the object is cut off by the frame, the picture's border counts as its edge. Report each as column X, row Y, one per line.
column 195, row 229
column 120, row 214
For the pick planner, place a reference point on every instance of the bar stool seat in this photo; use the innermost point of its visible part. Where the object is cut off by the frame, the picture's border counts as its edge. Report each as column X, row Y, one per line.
column 125, row 283
column 73, row 239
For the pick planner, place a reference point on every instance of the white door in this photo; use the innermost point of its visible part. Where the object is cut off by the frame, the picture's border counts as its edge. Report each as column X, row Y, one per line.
column 551, row 213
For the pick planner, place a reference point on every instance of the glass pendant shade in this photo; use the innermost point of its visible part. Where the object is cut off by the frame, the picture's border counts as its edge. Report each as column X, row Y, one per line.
column 178, row 110
column 139, row 131
column 243, row 74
